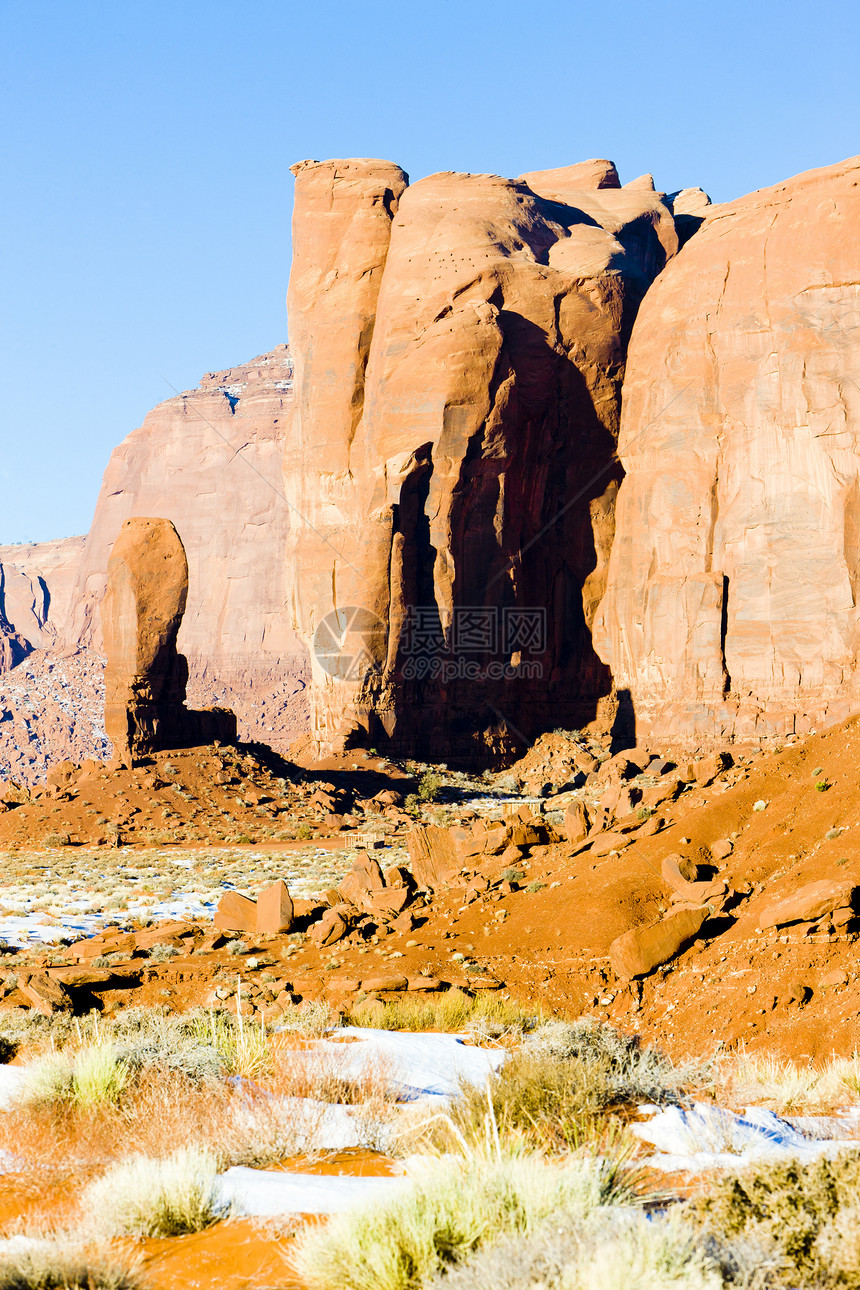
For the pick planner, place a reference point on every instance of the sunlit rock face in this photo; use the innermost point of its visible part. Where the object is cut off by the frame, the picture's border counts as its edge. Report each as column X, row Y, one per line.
column 731, row 606
column 460, row 347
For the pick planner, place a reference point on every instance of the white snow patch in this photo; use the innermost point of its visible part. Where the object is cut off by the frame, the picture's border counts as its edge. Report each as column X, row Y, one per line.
column 419, row 1066
column 707, row 1137
column 263, row 1192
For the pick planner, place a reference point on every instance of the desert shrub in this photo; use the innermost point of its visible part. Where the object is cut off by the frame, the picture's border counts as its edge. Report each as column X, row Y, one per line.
column 453, row 1209
column 412, row 803
column 99, row 1076
column 94, row 1076
column 787, row 1086
column 805, row 1213
column 607, row 1250
column 51, row 1081
column 143, row 1197
column 556, row 1090
column 313, row 1017
column 303, row 832
column 429, row 786
column 49, row 1265
column 628, row 1070
column 161, row 953
column 486, row 1016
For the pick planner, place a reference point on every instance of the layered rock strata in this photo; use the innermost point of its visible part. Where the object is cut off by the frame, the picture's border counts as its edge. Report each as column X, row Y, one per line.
column 731, row 607
column 145, row 676
column 460, row 348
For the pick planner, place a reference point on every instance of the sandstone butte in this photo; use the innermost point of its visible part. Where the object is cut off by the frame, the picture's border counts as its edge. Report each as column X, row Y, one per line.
column 459, row 349
column 145, row 676
column 457, row 442
column 731, row 608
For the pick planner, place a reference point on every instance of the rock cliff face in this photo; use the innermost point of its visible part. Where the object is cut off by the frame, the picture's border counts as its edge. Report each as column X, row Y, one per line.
column 145, row 676
column 732, row 599
column 452, row 454
column 36, row 582
column 210, row 461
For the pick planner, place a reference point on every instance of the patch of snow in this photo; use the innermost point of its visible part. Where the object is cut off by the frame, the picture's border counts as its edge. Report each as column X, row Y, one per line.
column 702, row 1137
column 420, row 1066
column 262, row 1192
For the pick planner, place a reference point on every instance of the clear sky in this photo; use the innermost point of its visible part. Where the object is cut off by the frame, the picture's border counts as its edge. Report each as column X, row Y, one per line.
column 147, row 193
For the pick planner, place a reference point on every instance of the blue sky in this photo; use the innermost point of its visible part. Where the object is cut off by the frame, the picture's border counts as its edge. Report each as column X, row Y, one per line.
column 145, row 218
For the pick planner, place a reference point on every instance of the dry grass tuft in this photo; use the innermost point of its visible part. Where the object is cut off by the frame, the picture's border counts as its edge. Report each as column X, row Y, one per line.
column 143, row 1197
column 53, row 1265
column 787, row 1086
column 446, row 1214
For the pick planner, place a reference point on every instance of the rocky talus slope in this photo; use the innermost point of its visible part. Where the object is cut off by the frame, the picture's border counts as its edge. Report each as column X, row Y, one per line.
column 699, row 902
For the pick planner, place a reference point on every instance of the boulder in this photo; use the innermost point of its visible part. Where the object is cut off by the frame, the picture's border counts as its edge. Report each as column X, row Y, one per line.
column 385, row 981
column 678, row 871
column 708, row 768
column 332, row 927
column 731, row 601
column 235, row 913
column 642, row 949
column 809, row 903
column 44, row 993
column 274, row 909
column 575, row 825
column 365, row 876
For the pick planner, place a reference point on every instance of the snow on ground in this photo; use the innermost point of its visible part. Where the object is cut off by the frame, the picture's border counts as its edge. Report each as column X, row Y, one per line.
column 421, row 1067
column 702, row 1137
column 264, row 1192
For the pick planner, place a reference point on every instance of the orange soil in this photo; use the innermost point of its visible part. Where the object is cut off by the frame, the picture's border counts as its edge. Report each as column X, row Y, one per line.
column 732, row 984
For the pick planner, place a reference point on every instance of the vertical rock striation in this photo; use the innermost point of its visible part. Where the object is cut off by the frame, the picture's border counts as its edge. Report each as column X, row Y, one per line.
column 731, row 606
column 460, row 348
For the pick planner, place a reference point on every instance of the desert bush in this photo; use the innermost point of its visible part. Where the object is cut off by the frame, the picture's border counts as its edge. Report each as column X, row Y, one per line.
column 144, row 1197
column 606, row 1250
column 49, row 1265
column 487, row 1015
column 161, row 953
column 629, row 1070
column 556, row 1089
column 787, row 1086
column 429, row 786
column 94, row 1076
column 451, row 1210
column 312, row 1018
column 805, row 1214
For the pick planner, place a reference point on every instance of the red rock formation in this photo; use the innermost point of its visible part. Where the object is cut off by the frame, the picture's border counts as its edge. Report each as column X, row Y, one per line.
column 36, row 581
column 453, row 447
column 145, row 677
column 732, row 600
column 210, row 461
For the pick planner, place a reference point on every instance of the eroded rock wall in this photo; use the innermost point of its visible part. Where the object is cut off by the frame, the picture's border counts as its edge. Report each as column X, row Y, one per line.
column 731, row 607
column 210, row 460
column 36, row 584
column 453, row 453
